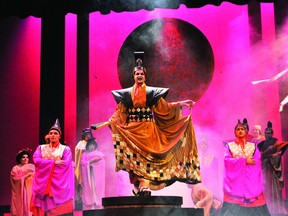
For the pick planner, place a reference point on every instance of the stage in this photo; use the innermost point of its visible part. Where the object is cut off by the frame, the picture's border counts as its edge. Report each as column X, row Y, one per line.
column 143, row 206
column 139, row 205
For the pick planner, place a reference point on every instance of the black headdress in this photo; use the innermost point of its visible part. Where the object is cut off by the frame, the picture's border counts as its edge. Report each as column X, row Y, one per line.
column 86, row 131
column 245, row 122
column 269, row 126
column 139, row 57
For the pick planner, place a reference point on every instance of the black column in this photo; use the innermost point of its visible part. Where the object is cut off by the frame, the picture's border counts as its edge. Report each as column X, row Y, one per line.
column 254, row 13
column 82, row 119
column 52, row 73
column 281, row 14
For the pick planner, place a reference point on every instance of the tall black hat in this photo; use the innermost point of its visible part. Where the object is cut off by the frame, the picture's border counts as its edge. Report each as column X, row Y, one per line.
column 56, row 126
column 245, row 122
column 139, row 57
column 269, row 126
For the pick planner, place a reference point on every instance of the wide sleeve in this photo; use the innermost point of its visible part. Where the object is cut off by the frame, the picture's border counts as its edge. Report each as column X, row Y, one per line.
column 234, row 173
column 17, row 174
column 17, row 177
column 119, row 117
column 43, row 169
column 241, row 179
column 78, row 155
column 92, row 157
column 253, row 175
column 281, row 146
column 58, row 179
column 166, row 113
column 62, row 185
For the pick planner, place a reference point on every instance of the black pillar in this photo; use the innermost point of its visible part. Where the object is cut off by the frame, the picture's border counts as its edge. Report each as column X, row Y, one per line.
column 254, row 14
column 52, row 73
column 281, row 14
column 82, row 110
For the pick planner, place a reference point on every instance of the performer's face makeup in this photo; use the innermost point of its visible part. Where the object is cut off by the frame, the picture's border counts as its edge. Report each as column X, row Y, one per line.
column 139, row 77
column 54, row 136
column 268, row 134
column 91, row 148
column 24, row 159
column 256, row 132
column 240, row 131
column 88, row 136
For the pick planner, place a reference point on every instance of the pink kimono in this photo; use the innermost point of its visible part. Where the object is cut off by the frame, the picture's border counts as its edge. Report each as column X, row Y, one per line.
column 93, row 179
column 242, row 183
column 21, row 190
column 53, row 184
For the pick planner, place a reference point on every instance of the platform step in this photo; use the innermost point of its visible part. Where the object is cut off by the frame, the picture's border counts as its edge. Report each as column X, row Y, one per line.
column 143, row 206
column 142, row 201
column 145, row 212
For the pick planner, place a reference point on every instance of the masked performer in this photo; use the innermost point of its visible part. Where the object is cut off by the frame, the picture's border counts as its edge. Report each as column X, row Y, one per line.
column 152, row 141
column 53, row 186
column 271, row 156
column 21, row 182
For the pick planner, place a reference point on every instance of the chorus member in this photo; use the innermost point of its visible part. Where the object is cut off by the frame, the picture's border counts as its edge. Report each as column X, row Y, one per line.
column 53, row 186
column 272, row 151
column 21, row 181
column 93, row 176
column 79, row 149
column 257, row 134
column 243, row 182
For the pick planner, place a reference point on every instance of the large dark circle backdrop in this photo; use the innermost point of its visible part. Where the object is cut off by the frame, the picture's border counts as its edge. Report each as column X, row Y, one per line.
column 176, row 55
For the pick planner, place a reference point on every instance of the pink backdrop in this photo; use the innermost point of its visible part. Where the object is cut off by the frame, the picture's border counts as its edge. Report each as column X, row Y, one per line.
column 230, row 96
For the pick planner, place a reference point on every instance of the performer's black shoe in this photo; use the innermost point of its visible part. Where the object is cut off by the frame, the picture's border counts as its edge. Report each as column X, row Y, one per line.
column 144, row 192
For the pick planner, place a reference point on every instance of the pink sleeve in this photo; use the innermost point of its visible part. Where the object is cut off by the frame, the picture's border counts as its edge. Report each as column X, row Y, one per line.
column 62, row 178
column 234, row 172
column 43, row 168
column 62, row 185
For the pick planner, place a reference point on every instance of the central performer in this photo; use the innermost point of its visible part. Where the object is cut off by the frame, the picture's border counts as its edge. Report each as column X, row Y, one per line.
column 153, row 142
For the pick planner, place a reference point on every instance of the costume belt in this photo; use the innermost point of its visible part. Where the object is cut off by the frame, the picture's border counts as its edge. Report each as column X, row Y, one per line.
column 139, row 114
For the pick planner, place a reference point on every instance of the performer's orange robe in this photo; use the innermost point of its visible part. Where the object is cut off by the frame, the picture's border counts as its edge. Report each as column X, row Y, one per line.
column 161, row 149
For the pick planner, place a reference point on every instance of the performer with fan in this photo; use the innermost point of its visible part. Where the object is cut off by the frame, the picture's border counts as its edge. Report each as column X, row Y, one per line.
column 152, row 141
column 271, row 155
